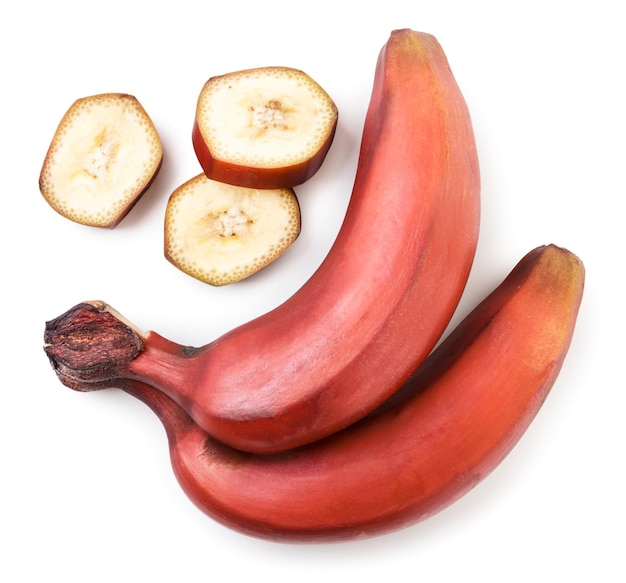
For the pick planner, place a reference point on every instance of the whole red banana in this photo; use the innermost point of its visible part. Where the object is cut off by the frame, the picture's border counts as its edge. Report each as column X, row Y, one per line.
column 455, row 420
column 369, row 315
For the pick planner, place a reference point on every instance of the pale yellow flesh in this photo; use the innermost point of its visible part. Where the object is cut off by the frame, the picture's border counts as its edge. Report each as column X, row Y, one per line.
column 220, row 233
column 103, row 155
column 266, row 118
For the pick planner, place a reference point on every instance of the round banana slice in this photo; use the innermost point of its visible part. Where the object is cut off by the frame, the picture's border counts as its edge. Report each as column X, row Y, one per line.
column 269, row 127
column 104, row 154
column 219, row 233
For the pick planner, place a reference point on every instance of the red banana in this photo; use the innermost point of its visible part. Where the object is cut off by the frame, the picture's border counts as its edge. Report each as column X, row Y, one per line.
column 455, row 420
column 370, row 314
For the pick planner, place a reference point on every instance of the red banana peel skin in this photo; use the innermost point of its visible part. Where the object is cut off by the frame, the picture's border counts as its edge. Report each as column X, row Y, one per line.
column 451, row 425
column 378, row 304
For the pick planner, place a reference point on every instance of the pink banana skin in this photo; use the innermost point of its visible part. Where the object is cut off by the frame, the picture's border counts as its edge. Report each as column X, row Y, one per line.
column 375, row 308
column 452, row 424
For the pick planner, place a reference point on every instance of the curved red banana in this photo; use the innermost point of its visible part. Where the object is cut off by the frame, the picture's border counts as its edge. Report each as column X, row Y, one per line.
column 458, row 417
column 371, row 313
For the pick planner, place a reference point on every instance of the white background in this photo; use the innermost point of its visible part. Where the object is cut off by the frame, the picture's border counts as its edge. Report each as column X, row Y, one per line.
column 87, row 490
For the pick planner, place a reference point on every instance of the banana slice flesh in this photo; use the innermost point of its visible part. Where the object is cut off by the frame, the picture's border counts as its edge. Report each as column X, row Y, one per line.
column 220, row 234
column 103, row 156
column 268, row 127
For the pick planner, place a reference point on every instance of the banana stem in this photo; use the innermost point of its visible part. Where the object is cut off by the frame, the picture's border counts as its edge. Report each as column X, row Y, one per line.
column 172, row 416
column 91, row 347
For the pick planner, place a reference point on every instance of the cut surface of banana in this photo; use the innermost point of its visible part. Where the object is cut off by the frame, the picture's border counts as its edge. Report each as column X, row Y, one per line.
column 269, row 127
column 219, row 233
column 104, row 154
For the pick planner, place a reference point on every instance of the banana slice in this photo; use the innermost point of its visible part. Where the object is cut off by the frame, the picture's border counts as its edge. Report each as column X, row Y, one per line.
column 219, row 233
column 269, row 127
column 102, row 158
